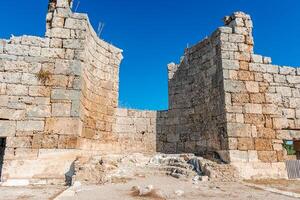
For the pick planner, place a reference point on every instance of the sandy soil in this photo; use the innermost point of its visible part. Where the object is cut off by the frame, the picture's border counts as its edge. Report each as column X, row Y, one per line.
column 167, row 186
column 30, row 193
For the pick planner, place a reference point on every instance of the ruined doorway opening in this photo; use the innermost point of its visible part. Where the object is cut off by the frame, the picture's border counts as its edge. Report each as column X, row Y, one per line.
column 2, row 150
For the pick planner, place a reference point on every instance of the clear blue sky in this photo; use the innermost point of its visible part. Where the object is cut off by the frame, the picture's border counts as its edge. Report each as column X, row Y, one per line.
column 153, row 33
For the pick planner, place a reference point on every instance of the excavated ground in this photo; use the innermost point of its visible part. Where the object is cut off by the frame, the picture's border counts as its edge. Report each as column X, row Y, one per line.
column 158, row 177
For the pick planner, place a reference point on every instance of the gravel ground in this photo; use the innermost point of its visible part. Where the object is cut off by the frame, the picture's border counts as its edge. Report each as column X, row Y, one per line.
column 168, row 188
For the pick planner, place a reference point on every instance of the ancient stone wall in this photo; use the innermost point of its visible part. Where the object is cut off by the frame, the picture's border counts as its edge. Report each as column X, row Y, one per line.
column 136, row 130
column 262, row 101
column 195, row 121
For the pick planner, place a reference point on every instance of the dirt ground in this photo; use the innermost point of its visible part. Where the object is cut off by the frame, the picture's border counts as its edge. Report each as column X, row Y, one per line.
column 168, row 188
column 30, row 193
column 281, row 184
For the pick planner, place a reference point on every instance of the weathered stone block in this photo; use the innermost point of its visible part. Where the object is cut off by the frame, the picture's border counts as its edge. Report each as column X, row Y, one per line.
column 267, row 156
column 30, row 125
column 263, row 144
column 61, row 109
column 13, row 89
column 245, row 144
column 63, row 126
column 239, row 130
column 7, row 128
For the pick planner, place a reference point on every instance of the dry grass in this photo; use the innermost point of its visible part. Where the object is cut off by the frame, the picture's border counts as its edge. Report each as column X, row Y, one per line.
column 43, row 76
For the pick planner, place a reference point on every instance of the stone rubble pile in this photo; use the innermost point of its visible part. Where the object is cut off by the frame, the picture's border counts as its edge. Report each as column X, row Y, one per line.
column 121, row 168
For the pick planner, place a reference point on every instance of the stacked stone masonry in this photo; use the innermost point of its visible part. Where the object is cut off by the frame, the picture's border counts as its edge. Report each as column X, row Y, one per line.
column 59, row 100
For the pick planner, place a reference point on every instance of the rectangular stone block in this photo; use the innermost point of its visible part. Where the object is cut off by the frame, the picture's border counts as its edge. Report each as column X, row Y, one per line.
column 30, row 125
column 253, row 108
column 234, row 86
column 239, row 130
column 12, row 114
column 39, row 91
column 61, row 109
column 13, row 89
column 245, row 144
column 63, row 126
column 63, row 94
column 77, row 24
column 38, row 111
column 7, row 128
column 263, row 144
column 267, row 156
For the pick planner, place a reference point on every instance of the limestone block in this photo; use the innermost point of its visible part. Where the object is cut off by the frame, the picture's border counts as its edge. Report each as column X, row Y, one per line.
column 267, row 60
column 4, row 100
column 12, row 114
column 34, row 51
column 234, row 109
column 63, row 94
column 53, row 52
column 257, row 98
column 57, row 81
column 272, row 69
column 234, row 86
column 268, row 77
column 263, row 144
column 6, row 77
column 284, row 91
column 30, row 125
column 287, row 70
column 39, row 91
column 245, row 144
column 63, row 126
column 287, row 134
column 263, row 132
column 245, row 75
column 278, row 78
column 225, row 29
column 239, row 130
column 18, row 142
column 240, row 98
column 238, row 156
column 26, row 153
column 267, row 156
column 289, row 113
column 7, row 128
column 256, row 58
column 230, row 64
column 241, row 30
column 73, row 44
column 30, row 79
column 228, row 46
column 280, row 123
column 57, row 22
column 273, row 98
column 252, row 155
column 293, row 79
column 252, row 86
column 59, row 33
column 13, row 89
column 38, row 111
column 236, row 38
column 35, row 41
column 2, row 88
column 232, row 143
column 67, row 142
column 253, row 108
column 75, row 108
column 77, row 24
column 271, row 109
column 61, row 109
column 294, row 102
column 257, row 67
column 18, row 50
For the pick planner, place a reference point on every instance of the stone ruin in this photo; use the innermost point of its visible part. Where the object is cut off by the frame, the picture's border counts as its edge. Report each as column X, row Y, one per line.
column 59, row 100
